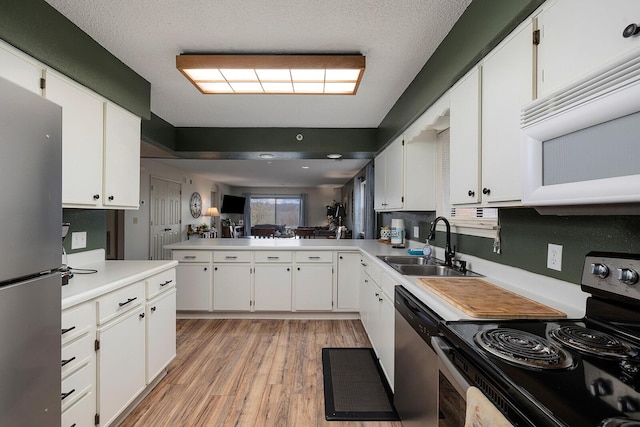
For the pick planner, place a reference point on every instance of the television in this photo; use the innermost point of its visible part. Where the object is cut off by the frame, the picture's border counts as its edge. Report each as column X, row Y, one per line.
column 232, row 204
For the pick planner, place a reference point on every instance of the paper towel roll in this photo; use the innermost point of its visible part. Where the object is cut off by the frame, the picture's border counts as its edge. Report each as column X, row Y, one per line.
column 397, row 231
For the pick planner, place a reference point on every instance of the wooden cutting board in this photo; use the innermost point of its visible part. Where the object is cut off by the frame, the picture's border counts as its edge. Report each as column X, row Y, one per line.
column 478, row 298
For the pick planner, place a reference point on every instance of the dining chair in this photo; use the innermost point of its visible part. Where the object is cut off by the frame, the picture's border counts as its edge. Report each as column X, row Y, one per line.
column 305, row 233
column 264, row 233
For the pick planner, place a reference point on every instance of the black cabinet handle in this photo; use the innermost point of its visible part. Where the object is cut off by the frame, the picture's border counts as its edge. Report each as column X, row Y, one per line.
column 166, row 283
column 64, row 362
column 167, row 229
column 298, row 268
column 111, row 198
column 65, row 395
column 141, row 315
column 153, row 308
column 471, row 193
column 127, row 301
column 64, row 331
column 630, row 31
column 288, row 269
column 486, row 191
column 96, row 196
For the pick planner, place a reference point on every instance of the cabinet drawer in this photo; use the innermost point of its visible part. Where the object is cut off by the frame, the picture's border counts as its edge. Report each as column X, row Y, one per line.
column 160, row 282
column 232, row 256
column 77, row 354
column 76, row 385
column 273, row 256
column 192, row 256
column 82, row 413
column 77, row 321
column 314, row 256
column 120, row 301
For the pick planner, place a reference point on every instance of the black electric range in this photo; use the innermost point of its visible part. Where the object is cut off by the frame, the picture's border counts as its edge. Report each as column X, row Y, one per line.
column 580, row 372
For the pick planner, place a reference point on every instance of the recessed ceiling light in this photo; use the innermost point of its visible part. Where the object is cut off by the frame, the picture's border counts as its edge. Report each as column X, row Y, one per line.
column 305, row 167
column 266, row 156
column 334, row 156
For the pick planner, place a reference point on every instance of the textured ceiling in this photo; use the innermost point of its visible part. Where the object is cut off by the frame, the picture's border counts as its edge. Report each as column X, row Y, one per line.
column 397, row 38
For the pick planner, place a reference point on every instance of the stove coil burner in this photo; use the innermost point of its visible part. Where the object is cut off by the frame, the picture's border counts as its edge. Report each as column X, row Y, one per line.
column 619, row 422
column 592, row 342
column 523, row 349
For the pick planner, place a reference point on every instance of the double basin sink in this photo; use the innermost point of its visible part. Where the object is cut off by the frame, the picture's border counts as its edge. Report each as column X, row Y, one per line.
column 421, row 266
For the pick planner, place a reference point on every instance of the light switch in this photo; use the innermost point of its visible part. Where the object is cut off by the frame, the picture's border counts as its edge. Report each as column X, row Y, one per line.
column 79, row 240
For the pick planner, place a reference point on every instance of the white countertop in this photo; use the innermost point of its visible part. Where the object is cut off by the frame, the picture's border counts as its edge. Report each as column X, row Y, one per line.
column 111, row 275
column 564, row 296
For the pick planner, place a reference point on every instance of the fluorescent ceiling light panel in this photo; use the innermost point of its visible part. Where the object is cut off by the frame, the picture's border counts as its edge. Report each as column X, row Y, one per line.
column 273, row 74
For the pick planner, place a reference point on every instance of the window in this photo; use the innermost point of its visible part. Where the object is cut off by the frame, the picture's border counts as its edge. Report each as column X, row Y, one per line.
column 279, row 210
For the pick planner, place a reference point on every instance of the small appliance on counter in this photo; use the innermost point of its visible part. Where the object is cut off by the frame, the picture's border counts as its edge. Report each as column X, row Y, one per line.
column 397, row 232
column 65, row 270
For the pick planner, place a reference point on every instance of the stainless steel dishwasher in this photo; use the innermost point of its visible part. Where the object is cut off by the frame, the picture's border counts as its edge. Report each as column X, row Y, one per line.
column 416, row 363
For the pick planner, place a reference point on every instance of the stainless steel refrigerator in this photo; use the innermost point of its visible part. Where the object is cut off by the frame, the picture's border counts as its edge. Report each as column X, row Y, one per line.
column 30, row 256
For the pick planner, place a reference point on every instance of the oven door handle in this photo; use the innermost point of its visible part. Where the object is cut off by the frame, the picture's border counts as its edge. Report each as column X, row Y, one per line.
column 447, row 367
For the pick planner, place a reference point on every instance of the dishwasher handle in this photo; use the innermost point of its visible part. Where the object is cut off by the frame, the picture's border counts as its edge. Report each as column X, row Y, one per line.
column 447, row 367
column 413, row 308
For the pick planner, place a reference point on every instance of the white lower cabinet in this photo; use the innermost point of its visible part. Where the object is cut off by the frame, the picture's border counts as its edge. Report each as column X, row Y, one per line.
column 232, row 287
column 121, row 363
column 313, row 281
column 161, row 333
column 82, row 413
column 194, row 284
column 377, row 312
column 272, row 287
column 347, row 281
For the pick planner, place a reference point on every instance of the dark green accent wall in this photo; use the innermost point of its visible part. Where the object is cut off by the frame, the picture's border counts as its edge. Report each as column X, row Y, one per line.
column 158, row 131
column 480, row 28
column 525, row 235
column 351, row 143
column 93, row 221
column 37, row 29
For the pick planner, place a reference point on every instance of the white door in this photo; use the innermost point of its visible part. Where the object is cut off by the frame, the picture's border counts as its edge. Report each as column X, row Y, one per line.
column 165, row 217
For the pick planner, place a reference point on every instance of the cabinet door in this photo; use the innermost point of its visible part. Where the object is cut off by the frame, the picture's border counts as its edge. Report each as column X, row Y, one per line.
column 420, row 176
column 386, row 336
column 379, row 174
column 507, row 85
column 348, row 280
column 121, row 158
column 394, row 175
column 121, row 374
column 464, row 164
column 272, row 288
column 313, row 288
column 161, row 333
column 82, row 136
column 363, row 297
column 565, row 54
column 193, row 284
column 232, row 287
column 19, row 69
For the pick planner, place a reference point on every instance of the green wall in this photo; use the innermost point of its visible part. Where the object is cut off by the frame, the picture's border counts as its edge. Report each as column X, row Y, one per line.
column 93, row 221
column 525, row 235
column 45, row 34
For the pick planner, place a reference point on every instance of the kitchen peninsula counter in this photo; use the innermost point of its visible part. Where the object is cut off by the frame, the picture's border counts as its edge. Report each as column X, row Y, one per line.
column 110, row 276
column 560, row 295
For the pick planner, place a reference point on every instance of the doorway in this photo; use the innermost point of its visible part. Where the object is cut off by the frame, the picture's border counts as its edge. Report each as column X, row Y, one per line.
column 165, row 217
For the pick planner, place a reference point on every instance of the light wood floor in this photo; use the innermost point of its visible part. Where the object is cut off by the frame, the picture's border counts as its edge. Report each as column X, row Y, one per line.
column 248, row 373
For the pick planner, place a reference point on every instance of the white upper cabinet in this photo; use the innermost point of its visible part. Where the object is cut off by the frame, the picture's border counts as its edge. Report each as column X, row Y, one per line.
column 121, row 158
column 82, row 141
column 389, row 172
column 577, row 36
column 507, row 85
column 19, row 68
column 465, row 139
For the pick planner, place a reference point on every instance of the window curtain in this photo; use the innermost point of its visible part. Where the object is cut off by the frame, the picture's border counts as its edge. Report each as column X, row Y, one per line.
column 369, row 212
column 247, row 214
column 302, row 221
column 358, row 211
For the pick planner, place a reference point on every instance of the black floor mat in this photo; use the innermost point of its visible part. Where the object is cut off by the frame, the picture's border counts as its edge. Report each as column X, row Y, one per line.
column 355, row 388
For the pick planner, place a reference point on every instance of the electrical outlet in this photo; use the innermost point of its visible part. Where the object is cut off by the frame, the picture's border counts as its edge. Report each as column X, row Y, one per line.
column 416, row 232
column 79, row 240
column 554, row 257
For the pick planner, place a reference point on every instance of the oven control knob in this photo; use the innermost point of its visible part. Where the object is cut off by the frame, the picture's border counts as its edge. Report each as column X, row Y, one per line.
column 627, row 276
column 599, row 270
column 627, row 404
column 600, row 387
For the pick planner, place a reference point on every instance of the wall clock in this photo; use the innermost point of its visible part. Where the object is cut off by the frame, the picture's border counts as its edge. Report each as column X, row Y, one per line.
column 196, row 205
